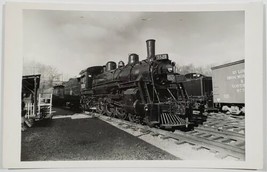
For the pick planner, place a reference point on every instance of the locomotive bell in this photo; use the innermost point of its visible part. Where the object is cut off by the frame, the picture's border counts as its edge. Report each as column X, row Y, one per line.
column 121, row 64
column 133, row 59
column 150, row 44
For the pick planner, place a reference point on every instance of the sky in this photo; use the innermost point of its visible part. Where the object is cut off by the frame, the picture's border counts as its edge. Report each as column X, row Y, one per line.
column 74, row 40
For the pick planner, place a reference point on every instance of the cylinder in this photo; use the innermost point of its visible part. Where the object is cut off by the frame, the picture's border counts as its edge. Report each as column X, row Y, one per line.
column 133, row 59
column 150, row 44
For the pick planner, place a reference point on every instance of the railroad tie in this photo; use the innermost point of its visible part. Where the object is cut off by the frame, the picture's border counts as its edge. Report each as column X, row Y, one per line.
column 239, row 143
column 126, row 126
column 226, row 140
column 199, row 148
column 221, row 155
column 242, row 147
column 165, row 137
column 192, row 132
column 120, row 124
column 207, row 135
column 227, row 127
column 216, row 138
column 239, row 129
column 180, row 142
column 154, row 134
column 144, row 131
column 213, row 151
column 200, row 134
column 134, row 128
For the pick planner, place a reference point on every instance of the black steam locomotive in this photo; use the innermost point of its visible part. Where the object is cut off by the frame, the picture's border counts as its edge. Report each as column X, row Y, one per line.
column 147, row 91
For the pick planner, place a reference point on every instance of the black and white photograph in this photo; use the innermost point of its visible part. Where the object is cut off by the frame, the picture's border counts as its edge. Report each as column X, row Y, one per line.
column 154, row 85
column 133, row 86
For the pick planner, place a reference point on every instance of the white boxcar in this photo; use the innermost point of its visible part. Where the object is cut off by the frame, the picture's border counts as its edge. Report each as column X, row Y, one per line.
column 228, row 82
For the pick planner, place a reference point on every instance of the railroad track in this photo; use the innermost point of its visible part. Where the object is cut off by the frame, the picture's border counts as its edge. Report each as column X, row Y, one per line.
column 226, row 123
column 222, row 143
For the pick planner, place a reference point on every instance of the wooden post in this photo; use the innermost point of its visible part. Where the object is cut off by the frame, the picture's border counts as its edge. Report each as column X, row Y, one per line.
column 39, row 108
column 28, row 110
column 51, row 96
column 34, row 96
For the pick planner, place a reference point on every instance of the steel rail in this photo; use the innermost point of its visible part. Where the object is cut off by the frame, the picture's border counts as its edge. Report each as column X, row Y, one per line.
column 213, row 144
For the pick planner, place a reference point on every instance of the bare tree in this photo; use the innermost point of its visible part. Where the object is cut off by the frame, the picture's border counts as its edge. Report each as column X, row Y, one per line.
column 49, row 74
column 185, row 69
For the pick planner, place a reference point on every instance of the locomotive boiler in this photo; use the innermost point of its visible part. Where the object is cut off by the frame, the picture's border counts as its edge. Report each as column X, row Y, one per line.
column 147, row 91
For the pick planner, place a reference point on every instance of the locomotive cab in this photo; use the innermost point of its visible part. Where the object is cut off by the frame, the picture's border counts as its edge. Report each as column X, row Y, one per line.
column 87, row 77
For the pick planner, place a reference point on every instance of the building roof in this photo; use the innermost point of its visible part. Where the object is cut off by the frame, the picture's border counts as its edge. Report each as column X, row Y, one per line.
column 30, row 82
column 228, row 64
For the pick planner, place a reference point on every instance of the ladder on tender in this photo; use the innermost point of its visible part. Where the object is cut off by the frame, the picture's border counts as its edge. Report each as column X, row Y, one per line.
column 45, row 104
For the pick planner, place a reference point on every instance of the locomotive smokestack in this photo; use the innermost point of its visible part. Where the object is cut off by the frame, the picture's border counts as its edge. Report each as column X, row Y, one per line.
column 150, row 44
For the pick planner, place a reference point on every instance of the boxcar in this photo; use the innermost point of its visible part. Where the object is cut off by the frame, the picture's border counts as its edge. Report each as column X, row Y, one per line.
column 228, row 82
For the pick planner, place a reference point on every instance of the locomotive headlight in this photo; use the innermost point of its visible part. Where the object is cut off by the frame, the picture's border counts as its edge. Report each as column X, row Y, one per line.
column 170, row 69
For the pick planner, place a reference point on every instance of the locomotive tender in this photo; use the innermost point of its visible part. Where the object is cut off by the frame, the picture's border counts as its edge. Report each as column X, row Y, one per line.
column 67, row 94
column 224, row 91
column 199, row 90
column 147, row 91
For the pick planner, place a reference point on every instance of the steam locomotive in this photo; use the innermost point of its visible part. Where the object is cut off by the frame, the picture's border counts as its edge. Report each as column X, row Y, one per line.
column 147, row 91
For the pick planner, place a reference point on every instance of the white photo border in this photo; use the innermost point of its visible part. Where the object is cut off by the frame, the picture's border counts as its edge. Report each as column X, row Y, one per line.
column 13, row 62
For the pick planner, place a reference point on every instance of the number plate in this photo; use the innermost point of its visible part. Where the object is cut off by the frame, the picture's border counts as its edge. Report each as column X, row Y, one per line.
column 171, row 78
column 162, row 56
